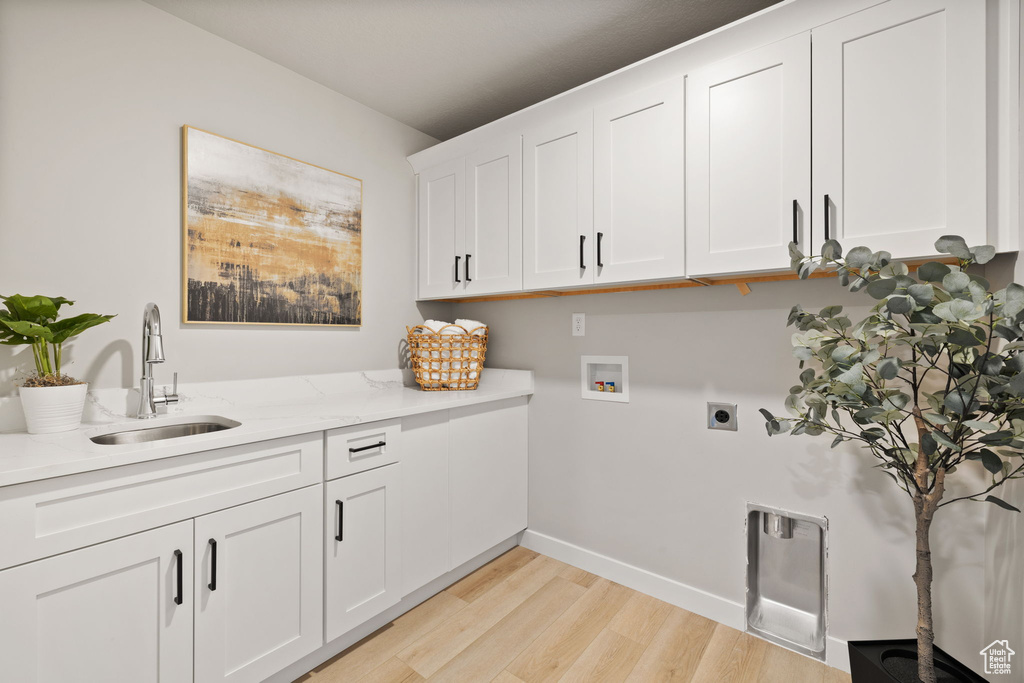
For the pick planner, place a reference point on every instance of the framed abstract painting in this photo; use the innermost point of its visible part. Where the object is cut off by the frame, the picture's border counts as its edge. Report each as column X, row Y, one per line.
column 268, row 239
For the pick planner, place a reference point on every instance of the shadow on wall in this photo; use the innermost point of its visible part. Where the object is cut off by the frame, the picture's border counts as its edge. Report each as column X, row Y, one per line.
column 16, row 362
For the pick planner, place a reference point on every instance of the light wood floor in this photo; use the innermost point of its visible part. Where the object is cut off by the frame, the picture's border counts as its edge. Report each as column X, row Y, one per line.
column 527, row 618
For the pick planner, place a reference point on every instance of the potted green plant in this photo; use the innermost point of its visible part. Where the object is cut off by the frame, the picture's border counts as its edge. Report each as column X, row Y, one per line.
column 928, row 382
column 52, row 401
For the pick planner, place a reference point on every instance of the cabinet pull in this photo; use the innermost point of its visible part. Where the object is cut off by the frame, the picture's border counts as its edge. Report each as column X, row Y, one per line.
column 599, row 236
column 379, row 444
column 796, row 211
column 583, row 238
column 178, row 593
column 826, row 217
column 341, row 520
column 213, row 565
column 457, row 259
column 468, row 278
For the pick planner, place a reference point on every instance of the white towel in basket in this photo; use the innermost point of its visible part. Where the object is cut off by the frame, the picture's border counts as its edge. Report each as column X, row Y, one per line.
column 474, row 327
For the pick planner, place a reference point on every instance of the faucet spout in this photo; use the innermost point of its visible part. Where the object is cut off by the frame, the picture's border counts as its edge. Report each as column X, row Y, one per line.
column 152, row 353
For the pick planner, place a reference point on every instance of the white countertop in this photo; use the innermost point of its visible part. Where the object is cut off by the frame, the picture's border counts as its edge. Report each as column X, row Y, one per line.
column 267, row 409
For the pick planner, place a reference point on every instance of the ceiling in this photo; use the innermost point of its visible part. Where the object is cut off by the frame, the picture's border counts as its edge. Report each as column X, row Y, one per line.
column 448, row 66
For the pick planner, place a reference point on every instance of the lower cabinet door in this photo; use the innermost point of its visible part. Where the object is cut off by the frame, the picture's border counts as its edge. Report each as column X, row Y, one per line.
column 487, row 475
column 425, row 552
column 362, row 562
column 117, row 611
column 258, row 599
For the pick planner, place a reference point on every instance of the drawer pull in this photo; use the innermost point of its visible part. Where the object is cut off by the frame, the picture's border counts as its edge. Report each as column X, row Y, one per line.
column 796, row 212
column 468, row 278
column 379, row 444
column 457, row 258
column 341, row 520
column 826, row 217
column 583, row 238
column 178, row 561
column 213, row 565
column 599, row 263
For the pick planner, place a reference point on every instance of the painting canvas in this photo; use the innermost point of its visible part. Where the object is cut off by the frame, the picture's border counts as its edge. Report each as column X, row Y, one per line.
column 268, row 239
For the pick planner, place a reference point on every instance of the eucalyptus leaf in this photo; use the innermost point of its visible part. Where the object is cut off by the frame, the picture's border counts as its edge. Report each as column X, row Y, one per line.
column 933, row 271
column 983, row 254
column 879, row 289
column 953, row 244
column 956, row 281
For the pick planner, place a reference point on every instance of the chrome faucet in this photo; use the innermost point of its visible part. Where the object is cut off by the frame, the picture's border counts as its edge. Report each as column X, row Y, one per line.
column 152, row 352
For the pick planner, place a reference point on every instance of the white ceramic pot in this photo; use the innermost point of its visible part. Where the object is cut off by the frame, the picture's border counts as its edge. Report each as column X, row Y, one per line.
column 53, row 409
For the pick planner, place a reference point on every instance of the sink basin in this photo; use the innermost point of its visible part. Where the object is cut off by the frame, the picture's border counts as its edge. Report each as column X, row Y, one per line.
column 165, row 430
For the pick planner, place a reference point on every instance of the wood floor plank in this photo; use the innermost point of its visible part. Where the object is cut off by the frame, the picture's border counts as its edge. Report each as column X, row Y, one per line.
column 471, row 587
column 555, row 650
column 641, row 618
column 505, row 677
column 837, row 676
column 392, row 671
column 583, row 578
column 609, row 659
column 383, row 644
column 675, row 652
column 784, row 666
column 485, row 658
column 718, row 664
column 747, row 656
column 435, row 649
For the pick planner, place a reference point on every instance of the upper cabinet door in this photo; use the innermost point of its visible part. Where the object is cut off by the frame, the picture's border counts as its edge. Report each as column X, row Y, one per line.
column 899, row 126
column 441, row 227
column 748, row 159
column 638, row 186
column 558, row 206
column 117, row 611
column 259, row 593
column 494, row 219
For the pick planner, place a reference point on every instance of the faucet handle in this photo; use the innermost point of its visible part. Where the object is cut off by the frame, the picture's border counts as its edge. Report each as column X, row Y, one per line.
column 175, row 389
column 171, row 398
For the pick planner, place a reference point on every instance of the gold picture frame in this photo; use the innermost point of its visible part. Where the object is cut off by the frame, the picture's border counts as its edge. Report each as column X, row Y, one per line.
column 267, row 239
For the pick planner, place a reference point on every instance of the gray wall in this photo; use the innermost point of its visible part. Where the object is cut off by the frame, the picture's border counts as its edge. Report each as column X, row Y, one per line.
column 647, row 484
column 92, row 99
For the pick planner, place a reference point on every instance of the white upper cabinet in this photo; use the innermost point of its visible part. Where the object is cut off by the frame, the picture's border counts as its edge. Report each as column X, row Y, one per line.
column 558, row 206
column 899, row 126
column 638, row 186
column 749, row 159
column 441, row 226
column 493, row 244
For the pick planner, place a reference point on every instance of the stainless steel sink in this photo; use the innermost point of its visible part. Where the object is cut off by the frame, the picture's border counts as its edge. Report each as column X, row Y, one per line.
column 159, row 432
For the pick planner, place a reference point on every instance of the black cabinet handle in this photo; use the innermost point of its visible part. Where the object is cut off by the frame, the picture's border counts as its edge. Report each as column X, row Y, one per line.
column 457, row 259
column 178, row 596
column 826, row 216
column 341, row 520
column 796, row 211
column 583, row 238
column 379, row 444
column 599, row 236
column 213, row 565
column 468, row 278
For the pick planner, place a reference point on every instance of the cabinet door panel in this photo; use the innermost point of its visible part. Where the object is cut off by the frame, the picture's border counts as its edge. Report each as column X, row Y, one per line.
column 748, row 143
column 100, row 614
column 638, row 185
column 487, row 476
column 441, row 216
column 265, row 610
column 363, row 569
column 425, row 537
column 494, row 218
column 899, row 126
column 558, row 190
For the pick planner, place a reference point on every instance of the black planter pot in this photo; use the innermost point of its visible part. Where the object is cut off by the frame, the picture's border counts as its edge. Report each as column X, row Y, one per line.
column 895, row 661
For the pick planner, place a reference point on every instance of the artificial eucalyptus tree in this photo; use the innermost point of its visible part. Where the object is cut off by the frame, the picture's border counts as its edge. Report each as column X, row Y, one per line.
column 932, row 378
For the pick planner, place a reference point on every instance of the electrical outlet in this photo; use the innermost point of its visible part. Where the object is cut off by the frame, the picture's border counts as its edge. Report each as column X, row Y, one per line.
column 579, row 324
column 722, row 416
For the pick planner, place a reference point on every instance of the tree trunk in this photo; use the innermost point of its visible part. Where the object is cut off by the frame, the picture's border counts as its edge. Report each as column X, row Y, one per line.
column 923, row 580
column 926, row 502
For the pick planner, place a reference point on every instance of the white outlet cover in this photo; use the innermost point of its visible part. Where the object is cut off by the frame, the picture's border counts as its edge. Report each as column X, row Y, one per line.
column 579, row 324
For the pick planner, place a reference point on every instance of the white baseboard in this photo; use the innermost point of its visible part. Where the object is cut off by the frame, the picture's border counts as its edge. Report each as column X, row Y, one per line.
column 671, row 591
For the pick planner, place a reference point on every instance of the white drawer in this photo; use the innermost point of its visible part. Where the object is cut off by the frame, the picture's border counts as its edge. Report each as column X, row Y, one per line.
column 362, row 447
column 51, row 516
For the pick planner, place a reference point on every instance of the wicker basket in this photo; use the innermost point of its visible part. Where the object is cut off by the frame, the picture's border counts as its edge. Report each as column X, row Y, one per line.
column 451, row 359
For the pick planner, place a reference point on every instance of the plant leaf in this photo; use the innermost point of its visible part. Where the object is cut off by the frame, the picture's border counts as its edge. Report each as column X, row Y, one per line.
column 953, row 244
column 1001, row 503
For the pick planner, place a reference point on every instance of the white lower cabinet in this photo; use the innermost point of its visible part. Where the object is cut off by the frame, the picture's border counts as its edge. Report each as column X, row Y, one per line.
column 425, row 506
column 259, row 592
column 109, row 612
column 362, row 563
column 487, row 476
